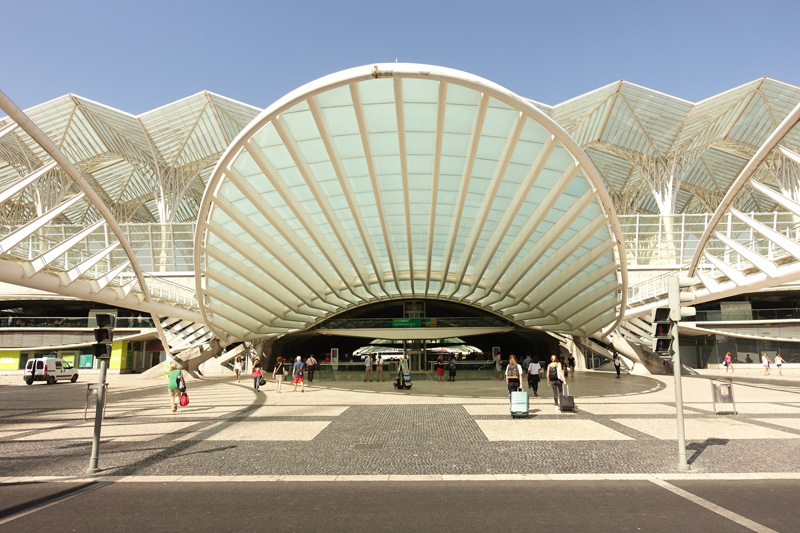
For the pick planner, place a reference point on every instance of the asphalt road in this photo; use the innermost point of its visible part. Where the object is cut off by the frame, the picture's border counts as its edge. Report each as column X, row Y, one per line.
column 760, row 505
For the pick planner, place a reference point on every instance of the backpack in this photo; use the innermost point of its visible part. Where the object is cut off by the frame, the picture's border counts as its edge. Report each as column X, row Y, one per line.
column 298, row 369
column 513, row 371
column 552, row 373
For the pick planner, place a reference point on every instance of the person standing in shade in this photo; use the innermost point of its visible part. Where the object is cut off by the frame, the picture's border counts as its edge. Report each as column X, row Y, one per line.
column 533, row 376
column 440, row 369
column 452, row 368
column 728, row 362
column 617, row 363
column 513, row 375
column 498, row 364
column 379, row 368
column 555, row 378
column 172, row 386
column 368, row 367
column 277, row 374
column 765, row 361
column 237, row 367
column 779, row 363
column 311, row 366
column 297, row 373
column 571, row 365
column 256, row 374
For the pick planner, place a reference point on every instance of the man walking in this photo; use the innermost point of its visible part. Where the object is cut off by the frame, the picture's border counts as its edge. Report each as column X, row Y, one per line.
column 311, row 366
column 368, row 367
column 533, row 375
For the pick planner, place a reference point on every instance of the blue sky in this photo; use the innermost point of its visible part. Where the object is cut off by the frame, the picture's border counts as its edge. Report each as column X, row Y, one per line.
column 137, row 56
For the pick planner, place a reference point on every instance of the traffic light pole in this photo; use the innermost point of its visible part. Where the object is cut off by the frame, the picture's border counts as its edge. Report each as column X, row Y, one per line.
column 98, row 417
column 676, row 370
column 674, row 286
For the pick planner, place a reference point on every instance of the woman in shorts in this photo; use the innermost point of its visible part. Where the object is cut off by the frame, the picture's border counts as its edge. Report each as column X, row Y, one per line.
column 779, row 363
column 237, row 367
column 765, row 362
column 278, row 373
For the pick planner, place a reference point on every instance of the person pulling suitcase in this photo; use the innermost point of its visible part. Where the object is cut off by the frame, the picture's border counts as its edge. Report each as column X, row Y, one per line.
column 555, row 378
column 518, row 398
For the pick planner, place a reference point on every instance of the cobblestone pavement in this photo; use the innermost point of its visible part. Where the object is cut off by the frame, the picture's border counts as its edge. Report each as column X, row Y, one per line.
column 624, row 426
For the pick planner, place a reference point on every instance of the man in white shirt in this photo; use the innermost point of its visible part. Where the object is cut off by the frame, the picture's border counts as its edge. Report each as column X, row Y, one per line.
column 311, row 366
column 379, row 368
column 533, row 369
column 368, row 367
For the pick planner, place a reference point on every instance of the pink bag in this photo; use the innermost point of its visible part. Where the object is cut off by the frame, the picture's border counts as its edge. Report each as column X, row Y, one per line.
column 184, row 400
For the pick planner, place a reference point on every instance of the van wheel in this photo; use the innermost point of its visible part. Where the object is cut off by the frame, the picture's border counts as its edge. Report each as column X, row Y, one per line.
column 29, row 381
column 74, row 378
column 50, row 380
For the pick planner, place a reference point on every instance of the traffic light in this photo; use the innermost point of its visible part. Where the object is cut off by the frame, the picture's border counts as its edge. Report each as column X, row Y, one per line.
column 103, row 335
column 662, row 332
column 676, row 297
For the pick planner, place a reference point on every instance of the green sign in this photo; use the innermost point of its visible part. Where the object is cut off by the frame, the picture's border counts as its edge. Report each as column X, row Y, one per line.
column 86, row 361
column 414, row 322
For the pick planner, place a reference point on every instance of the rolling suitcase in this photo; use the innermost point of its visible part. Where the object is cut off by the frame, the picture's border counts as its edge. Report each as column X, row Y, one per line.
column 519, row 404
column 566, row 403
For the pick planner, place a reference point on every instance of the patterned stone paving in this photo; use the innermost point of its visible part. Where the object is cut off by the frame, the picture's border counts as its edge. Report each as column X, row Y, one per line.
column 622, row 426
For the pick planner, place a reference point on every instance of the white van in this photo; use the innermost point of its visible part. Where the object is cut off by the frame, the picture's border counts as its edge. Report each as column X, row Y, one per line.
column 49, row 370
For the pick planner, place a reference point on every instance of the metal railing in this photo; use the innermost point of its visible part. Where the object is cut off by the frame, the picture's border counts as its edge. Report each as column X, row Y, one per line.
column 732, row 315
column 70, row 322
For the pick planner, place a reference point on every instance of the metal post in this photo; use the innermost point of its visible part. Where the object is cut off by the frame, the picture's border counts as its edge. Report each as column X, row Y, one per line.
column 98, row 417
column 674, row 289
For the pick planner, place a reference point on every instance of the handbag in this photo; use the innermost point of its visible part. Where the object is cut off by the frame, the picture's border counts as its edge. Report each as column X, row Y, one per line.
column 184, row 399
column 181, row 384
column 262, row 381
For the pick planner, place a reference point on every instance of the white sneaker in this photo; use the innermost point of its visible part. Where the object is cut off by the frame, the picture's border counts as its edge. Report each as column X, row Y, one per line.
column 556, row 408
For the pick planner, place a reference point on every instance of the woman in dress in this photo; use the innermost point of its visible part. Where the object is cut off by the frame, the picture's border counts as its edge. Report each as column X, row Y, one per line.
column 513, row 375
column 256, row 374
column 728, row 362
column 237, row 367
column 440, row 369
column 278, row 373
column 765, row 361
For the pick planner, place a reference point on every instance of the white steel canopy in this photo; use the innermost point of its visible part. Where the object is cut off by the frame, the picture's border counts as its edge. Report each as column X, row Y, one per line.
column 406, row 181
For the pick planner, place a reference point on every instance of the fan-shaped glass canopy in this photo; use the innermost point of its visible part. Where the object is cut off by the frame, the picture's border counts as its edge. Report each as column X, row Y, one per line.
column 406, row 181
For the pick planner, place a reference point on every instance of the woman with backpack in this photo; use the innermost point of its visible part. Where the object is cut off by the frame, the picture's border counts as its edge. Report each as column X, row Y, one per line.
column 277, row 374
column 555, row 378
column 513, row 375
column 174, row 385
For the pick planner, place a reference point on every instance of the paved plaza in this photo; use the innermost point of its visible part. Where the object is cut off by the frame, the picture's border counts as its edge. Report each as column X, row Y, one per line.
column 622, row 426
column 440, row 457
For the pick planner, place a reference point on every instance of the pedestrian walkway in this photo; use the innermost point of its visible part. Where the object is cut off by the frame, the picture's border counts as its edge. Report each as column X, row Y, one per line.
column 621, row 427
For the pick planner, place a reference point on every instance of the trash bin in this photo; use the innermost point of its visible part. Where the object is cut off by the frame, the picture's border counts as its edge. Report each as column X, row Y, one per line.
column 91, row 398
column 722, row 392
